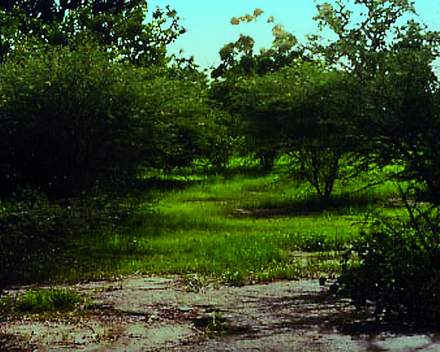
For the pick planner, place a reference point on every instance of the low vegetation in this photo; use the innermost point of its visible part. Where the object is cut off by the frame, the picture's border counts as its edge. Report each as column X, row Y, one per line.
column 239, row 228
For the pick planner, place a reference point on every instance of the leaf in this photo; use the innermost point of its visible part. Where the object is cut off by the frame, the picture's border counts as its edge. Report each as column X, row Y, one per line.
column 270, row 19
column 235, row 21
column 248, row 17
column 277, row 30
column 258, row 12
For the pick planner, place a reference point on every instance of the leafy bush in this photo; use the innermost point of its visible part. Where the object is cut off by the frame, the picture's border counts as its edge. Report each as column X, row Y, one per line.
column 396, row 265
column 69, row 120
column 186, row 127
column 31, row 233
column 36, row 235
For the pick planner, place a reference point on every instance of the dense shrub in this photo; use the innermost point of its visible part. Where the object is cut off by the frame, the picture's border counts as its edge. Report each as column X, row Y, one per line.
column 37, row 236
column 32, row 232
column 186, row 127
column 69, row 120
column 396, row 265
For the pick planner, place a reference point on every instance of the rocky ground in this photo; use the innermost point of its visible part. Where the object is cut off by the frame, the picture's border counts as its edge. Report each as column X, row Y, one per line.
column 170, row 314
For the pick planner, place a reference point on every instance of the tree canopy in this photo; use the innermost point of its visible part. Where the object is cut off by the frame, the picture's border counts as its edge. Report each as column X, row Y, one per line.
column 118, row 25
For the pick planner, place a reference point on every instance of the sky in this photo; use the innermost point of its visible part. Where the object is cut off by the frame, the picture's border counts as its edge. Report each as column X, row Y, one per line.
column 209, row 28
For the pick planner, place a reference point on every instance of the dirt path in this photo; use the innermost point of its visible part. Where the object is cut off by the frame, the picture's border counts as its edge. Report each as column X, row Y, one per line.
column 159, row 314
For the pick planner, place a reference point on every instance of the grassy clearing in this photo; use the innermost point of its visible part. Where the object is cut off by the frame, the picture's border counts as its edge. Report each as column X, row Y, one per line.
column 240, row 228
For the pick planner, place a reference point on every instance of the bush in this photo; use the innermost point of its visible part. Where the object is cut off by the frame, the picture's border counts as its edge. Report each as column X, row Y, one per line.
column 186, row 127
column 69, row 120
column 396, row 265
column 32, row 232
column 38, row 237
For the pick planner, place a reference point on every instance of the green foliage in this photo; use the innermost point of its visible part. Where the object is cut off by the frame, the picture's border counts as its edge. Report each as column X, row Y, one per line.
column 405, row 130
column 42, row 301
column 6, row 306
column 32, row 232
column 360, row 47
column 70, row 121
column 38, row 238
column 396, row 266
column 399, row 98
column 185, row 127
column 213, row 323
column 239, row 62
column 303, row 109
column 117, row 26
column 238, row 58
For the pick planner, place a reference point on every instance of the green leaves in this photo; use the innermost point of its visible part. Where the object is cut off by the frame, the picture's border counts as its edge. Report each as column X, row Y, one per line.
column 395, row 121
column 302, row 108
column 398, row 270
column 247, row 17
column 357, row 43
column 121, row 30
column 238, row 58
column 64, row 136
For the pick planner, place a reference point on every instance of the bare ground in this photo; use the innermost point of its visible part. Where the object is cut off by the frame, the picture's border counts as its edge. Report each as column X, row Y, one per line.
column 159, row 314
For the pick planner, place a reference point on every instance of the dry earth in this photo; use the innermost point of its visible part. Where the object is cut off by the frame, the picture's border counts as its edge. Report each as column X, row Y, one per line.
column 159, row 314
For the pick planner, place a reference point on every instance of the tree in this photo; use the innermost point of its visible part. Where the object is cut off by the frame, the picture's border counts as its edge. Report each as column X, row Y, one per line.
column 185, row 127
column 307, row 111
column 238, row 58
column 68, row 75
column 118, row 25
column 396, row 261
column 394, row 65
column 240, row 62
column 70, row 119
column 322, row 132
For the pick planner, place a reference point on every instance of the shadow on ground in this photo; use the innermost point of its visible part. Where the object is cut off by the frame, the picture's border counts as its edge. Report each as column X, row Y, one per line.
column 312, row 206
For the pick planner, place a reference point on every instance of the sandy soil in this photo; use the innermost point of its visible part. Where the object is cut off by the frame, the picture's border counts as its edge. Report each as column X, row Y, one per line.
column 159, row 314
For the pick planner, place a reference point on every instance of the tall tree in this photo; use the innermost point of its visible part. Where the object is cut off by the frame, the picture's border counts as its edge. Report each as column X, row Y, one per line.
column 304, row 110
column 119, row 25
column 238, row 62
column 238, row 58
column 393, row 62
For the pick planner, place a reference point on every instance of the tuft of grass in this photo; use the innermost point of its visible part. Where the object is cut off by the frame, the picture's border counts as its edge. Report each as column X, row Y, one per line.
column 213, row 323
column 6, row 306
column 41, row 301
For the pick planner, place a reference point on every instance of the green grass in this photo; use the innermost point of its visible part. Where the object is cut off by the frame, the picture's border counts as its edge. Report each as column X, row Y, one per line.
column 45, row 301
column 239, row 227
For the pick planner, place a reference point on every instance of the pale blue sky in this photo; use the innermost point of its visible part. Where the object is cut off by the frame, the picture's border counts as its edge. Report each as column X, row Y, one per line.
column 209, row 27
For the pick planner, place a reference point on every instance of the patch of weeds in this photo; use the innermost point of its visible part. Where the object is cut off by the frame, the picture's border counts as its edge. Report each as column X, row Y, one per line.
column 318, row 242
column 281, row 272
column 213, row 323
column 5, row 306
column 195, row 283
column 328, row 263
column 235, row 277
column 312, row 242
column 40, row 301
